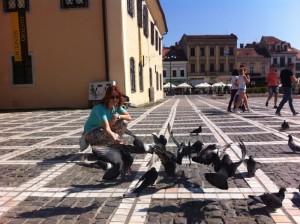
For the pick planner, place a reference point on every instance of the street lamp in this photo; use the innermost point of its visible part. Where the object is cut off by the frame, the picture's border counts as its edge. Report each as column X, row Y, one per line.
column 170, row 57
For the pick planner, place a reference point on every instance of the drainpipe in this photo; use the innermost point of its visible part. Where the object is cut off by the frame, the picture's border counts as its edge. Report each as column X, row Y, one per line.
column 104, row 14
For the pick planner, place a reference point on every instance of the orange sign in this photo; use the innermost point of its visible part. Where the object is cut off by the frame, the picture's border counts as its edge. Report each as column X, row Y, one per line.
column 16, row 36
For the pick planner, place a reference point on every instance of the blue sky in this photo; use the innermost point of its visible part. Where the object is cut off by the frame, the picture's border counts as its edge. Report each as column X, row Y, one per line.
column 248, row 19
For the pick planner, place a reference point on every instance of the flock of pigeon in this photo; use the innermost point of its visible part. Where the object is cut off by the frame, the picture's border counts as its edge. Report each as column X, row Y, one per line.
column 116, row 161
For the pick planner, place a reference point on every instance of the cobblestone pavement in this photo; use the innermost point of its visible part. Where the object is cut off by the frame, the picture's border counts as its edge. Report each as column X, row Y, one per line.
column 40, row 181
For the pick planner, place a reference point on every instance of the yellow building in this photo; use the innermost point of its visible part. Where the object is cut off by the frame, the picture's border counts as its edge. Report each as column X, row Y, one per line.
column 51, row 50
column 211, row 58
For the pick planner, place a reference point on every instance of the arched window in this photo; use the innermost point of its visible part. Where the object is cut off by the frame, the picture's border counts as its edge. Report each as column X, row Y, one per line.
column 132, row 74
column 130, row 7
column 140, row 13
column 145, row 21
column 141, row 77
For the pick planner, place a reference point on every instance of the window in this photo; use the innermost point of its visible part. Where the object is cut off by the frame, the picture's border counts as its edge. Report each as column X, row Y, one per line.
column 282, row 61
column 289, row 60
column 174, row 72
column 22, row 71
column 275, row 62
column 145, row 21
column 15, row 5
column 66, row 4
column 231, row 67
column 263, row 70
column 285, row 47
column 130, row 7
column 192, row 51
column 251, row 69
column 157, row 81
column 278, row 47
column 212, row 67
column 212, row 51
column 159, row 46
column 231, row 51
column 160, row 82
column 222, row 67
column 221, row 51
column 156, row 40
column 164, row 73
column 140, row 13
column 181, row 73
column 132, row 74
column 150, row 76
column 202, row 51
column 152, row 33
column 141, row 78
column 193, row 68
column 202, row 67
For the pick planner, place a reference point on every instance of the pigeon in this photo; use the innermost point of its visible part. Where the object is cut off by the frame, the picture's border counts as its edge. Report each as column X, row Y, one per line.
column 148, row 179
column 183, row 149
column 160, row 141
column 218, row 179
column 168, row 161
column 119, row 159
column 271, row 200
column 230, row 166
column 208, row 155
column 139, row 146
column 226, row 168
column 285, row 126
column 196, row 131
column 293, row 146
column 197, row 147
column 252, row 166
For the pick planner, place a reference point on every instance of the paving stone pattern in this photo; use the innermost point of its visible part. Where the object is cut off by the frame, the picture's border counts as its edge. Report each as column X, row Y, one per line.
column 42, row 181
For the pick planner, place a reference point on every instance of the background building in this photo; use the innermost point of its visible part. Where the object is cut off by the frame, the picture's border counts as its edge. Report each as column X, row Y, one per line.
column 211, row 58
column 257, row 62
column 174, row 66
column 51, row 50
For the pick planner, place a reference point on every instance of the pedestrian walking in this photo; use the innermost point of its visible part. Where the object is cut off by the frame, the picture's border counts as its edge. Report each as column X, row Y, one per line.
column 287, row 78
column 272, row 80
column 234, row 87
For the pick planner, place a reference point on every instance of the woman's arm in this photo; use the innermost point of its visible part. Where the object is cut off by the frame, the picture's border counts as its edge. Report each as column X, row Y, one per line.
column 246, row 78
column 125, row 116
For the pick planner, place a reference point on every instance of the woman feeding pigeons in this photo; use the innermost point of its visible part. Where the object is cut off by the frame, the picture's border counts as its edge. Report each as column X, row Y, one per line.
column 107, row 121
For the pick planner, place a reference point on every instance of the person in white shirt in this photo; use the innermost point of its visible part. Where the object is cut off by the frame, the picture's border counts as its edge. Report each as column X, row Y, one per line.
column 243, row 79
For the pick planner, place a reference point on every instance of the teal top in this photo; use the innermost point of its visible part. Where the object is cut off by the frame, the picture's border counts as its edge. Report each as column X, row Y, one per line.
column 99, row 114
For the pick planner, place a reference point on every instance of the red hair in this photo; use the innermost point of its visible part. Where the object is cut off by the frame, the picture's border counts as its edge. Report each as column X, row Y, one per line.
column 108, row 94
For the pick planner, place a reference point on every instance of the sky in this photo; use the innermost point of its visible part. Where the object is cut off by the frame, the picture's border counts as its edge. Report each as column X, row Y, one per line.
column 249, row 20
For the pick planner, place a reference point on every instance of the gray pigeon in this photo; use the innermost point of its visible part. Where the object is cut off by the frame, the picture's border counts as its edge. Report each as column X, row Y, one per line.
column 148, row 179
column 118, row 157
column 183, row 149
column 285, row 126
column 271, row 200
column 293, row 146
column 252, row 166
column 139, row 146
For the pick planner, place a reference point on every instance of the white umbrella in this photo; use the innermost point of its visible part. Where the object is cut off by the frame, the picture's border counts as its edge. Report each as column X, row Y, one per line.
column 203, row 85
column 184, row 85
column 218, row 84
column 167, row 85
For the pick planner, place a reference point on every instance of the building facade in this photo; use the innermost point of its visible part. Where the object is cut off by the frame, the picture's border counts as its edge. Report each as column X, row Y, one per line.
column 211, row 58
column 174, row 66
column 51, row 50
column 281, row 53
column 257, row 62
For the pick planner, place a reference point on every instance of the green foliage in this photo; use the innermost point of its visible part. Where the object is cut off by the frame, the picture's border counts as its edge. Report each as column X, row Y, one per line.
column 257, row 90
